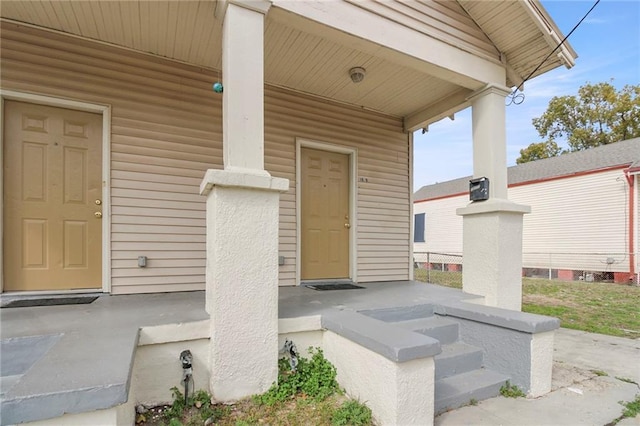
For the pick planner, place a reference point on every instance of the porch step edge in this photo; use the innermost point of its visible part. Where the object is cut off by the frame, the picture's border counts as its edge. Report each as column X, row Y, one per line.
column 457, row 358
column 392, row 342
column 442, row 329
column 401, row 313
column 457, row 391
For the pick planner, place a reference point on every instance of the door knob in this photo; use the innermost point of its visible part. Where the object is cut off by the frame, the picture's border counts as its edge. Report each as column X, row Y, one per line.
column 98, row 215
column 347, row 225
column 98, row 202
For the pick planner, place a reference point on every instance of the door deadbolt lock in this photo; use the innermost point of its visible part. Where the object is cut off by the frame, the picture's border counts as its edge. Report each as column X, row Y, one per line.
column 98, row 202
column 98, row 215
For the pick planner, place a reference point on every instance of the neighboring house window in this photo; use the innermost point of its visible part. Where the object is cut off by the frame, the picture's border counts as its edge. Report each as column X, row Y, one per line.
column 418, row 228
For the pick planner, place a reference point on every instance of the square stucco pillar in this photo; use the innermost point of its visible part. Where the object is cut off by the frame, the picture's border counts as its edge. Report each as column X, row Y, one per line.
column 492, row 229
column 242, row 221
column 242, row 281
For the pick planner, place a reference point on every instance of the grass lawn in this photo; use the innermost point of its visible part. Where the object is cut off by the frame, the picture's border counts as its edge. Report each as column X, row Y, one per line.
column 603, row 308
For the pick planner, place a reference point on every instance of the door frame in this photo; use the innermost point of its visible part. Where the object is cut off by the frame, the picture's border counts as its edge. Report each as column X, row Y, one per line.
column 105, row 111
column 352, row 153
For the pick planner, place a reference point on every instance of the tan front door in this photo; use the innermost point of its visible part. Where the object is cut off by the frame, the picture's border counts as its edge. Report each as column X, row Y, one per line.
column 52, row 198
column 324, row 215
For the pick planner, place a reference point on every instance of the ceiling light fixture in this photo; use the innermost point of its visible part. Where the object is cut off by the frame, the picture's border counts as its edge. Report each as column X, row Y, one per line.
column 357, row 74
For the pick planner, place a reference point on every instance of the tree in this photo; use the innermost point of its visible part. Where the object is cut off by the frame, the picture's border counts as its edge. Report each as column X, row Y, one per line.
column 598, row 115
column 538, row 151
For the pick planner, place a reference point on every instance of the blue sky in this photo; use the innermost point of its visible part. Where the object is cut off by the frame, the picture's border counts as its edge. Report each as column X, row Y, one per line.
column 608, row 46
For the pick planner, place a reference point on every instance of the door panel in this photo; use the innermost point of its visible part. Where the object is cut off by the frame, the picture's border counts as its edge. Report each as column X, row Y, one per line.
column 53, row 175
column 325, row 217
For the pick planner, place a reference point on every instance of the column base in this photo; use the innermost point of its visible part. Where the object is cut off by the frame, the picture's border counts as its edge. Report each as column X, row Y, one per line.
column 492, row 251
column 242, row 280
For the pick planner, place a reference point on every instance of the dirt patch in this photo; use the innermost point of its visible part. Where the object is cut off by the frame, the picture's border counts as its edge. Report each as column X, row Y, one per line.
column 541, row 299
column 565, row 375
column 569, row 376
column 295, row 411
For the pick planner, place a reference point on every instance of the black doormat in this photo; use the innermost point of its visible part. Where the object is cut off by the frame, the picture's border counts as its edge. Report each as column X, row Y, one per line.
column 337, row 286
column 49, row 301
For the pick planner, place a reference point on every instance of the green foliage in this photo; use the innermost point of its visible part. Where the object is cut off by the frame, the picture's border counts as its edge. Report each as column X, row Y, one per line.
column 538, row 151
column 511, row 391
column 632, row 408
column 473, row 402
column 175, row 422
column 352, row 413
column 315, row 378
column 200, row 399
column 599, row 373
column 175, row 411
column 598, row 115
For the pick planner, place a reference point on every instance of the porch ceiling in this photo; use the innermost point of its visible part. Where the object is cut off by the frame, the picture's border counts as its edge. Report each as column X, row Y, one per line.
column 295, row 57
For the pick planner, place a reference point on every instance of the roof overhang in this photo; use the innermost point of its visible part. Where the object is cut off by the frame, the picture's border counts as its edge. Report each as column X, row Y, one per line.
column 417, row 67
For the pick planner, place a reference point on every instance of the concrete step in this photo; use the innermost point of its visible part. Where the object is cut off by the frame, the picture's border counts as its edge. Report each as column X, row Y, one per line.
column 457, row 358
column 401, row 313
column 457, row 391
column 442, row 329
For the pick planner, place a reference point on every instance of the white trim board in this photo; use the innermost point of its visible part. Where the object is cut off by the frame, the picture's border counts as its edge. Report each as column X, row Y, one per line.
column 353, row 201
column 105, row 111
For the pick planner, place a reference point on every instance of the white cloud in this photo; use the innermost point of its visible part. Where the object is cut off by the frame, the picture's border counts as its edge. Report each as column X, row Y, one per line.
column 596, row 21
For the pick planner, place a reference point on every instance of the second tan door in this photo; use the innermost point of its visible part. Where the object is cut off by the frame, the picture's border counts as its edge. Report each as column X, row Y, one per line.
column 325, row 216
column 52, row 198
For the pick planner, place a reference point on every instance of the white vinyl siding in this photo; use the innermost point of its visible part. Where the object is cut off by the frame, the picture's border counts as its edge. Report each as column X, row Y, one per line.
column 443, row 228
column 166, row 131
column 584, row 215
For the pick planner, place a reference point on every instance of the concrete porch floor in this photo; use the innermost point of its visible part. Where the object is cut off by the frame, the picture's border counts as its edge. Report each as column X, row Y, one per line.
column 89, row 349
column 87, row 364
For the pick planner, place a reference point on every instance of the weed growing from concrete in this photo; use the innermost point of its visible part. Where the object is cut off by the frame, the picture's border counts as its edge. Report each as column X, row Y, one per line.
column 599, row 373
column 626, row 380
column 352, row 412
column 201, row 400
column 631, row 410
column 511, row 391
column 315, row 378
column 473, row 402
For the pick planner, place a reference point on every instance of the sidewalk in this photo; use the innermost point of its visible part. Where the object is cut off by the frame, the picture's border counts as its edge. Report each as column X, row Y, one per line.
column 579, row 396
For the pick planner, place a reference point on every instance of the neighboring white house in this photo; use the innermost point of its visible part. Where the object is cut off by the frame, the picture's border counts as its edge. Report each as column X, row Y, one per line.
column 583, row 221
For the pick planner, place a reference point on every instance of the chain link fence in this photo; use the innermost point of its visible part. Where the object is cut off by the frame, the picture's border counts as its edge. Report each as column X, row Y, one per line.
column 438, row 268
column 446, row 268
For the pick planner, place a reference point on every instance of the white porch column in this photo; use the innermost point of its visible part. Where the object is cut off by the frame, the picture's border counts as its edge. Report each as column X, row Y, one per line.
column 492, row 229
column 242, row 221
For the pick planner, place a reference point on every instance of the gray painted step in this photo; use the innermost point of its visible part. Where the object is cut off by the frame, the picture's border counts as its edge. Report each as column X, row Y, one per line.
column 457, row 358
column 457, row 391
column 442, row 329
column 401, row 313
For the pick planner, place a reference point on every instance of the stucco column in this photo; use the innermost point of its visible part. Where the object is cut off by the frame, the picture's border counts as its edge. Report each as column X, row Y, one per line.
column 243, row 73
column 492, row 229
column 242, row 221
